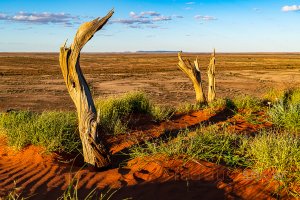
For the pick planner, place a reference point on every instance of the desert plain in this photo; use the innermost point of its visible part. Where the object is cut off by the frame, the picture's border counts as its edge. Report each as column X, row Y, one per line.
column 34, row 81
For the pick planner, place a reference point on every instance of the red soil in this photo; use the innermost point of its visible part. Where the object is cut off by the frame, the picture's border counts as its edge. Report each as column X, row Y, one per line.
column 46, row 177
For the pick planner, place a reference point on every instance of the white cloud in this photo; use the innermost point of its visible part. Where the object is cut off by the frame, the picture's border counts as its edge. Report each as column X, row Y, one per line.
column 205, row 18
column 150, row 13
column 178, row 16
column 41, row 18
column 3, row 16
column 190, row 3
column 145, row 17
column 290, row 8
column 256, row 9
column 132, row 21
column 161, row 18
column 153, row 26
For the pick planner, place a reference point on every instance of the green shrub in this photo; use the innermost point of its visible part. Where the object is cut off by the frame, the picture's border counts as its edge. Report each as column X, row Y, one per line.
column 278, row 151
column 187, row 108
column 287, row 116
column 286, row 111
column 160, row 113
column 113, row 112
column 273, row 95
column 247, row 102
column 208, row 145
column 56, row 131
column 218, row 103
column 295, row 97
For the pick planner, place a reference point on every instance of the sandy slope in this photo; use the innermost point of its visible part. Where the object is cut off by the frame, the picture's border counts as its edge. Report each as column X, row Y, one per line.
column 43, row 176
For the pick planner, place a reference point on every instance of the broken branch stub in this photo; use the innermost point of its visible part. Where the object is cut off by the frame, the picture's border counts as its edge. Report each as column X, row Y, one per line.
column 211, row 78
column 193, row 72
column 94, row 150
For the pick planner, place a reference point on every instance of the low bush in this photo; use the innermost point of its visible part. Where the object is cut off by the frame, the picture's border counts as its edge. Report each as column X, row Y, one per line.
column 247, row 102
column 113, row 111
column 286, row 111
column 56, row 131
column 209, row 145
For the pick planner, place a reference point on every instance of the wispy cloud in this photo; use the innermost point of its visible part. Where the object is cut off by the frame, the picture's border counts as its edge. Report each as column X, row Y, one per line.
column 178, row 16
column 153, row 26
column 190, row 3
column 132, row 21
column 150, row 13
column 135, row 26
column 3, row 16
column 40, row 18
column 136, row 20
column 161, row 18
column 257, row 10
column 188, row 8
column 290, row 8
column 205, row 17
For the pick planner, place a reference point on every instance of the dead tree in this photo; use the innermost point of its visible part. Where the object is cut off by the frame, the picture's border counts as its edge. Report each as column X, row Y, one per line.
column 94, row 150
column 193, row 72
column 211, row 78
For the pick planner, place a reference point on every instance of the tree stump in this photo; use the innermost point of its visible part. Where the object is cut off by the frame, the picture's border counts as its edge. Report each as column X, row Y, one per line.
column 95, row 152
column 211, row 78
column 192, row 70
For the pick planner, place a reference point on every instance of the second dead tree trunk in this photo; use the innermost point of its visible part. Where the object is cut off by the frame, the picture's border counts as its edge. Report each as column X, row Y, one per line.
column 192, row 70
column 95, row 152
column 211, row 94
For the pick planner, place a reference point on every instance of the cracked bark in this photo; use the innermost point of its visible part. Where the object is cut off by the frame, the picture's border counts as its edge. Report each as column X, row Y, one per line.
column 95, row 152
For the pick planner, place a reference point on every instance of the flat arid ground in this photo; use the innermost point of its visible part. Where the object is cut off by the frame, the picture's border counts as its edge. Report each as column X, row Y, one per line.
column 224, row 131
column 34, row 81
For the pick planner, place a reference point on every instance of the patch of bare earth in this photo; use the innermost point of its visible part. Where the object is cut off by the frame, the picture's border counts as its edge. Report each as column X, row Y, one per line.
column 34, row 81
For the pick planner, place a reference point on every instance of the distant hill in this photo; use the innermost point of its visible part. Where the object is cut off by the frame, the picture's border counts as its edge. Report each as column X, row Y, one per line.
column 160, row 51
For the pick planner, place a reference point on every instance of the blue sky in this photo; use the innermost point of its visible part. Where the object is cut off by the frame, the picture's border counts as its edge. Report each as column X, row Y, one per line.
column 191, row 25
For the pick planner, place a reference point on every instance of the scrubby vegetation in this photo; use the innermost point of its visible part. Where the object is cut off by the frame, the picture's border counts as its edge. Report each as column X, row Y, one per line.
column 285, row 111
column 56, row 131
column 114, row 113
column 210, row 144
column 275, row 149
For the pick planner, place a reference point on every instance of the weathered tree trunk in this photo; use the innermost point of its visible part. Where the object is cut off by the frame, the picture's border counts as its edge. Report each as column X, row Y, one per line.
column 193, row 72
column 211, row 78
column 94, row 150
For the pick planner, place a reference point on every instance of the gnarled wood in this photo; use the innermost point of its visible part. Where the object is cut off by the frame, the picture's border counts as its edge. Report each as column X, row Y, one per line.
column 94, row 150
column 211, row 78
column 193, row 72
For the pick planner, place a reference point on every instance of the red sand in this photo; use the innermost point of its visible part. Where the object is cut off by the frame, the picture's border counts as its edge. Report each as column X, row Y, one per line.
column 43, row 176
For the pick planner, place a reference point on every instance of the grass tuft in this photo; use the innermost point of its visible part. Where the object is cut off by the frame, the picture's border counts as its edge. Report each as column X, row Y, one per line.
column 247, row 102
column 113, row 112
column 286, row 111
column 209, row 145
column 56, row 131
column 161, row 113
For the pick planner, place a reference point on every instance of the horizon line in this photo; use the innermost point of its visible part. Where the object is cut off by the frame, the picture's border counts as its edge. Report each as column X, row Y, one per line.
column 162, row 52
